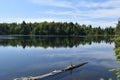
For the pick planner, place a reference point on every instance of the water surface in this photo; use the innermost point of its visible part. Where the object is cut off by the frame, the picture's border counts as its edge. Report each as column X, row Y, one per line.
column 32, row 56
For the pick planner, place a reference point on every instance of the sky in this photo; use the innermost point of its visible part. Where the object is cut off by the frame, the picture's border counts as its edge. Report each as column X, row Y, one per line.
column 102, row 13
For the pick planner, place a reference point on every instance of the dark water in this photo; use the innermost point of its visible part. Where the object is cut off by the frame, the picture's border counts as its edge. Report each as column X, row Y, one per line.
column 31, row 56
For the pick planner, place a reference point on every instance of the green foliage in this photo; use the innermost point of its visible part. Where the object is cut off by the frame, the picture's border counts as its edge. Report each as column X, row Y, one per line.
column 104, row 79
column 101, row 78
column 117, row 71
column 110, row 79
column 52, row 28
column 117, row 41
column 117, row 30
column 117, row 50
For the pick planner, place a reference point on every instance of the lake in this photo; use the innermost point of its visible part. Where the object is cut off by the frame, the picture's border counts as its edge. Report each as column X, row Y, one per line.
column 22, row 56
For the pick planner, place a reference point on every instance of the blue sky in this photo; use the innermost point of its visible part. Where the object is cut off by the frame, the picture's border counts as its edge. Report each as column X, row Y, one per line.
column 95, row 12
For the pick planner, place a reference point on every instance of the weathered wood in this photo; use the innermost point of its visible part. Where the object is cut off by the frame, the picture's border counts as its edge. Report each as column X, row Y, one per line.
column 52, row 73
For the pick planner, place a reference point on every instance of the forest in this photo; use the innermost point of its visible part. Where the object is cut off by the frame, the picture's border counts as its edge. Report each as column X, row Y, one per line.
column 53, row 28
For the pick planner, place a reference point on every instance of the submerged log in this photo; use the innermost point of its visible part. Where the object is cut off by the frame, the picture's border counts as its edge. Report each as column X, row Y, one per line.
column 71, row 67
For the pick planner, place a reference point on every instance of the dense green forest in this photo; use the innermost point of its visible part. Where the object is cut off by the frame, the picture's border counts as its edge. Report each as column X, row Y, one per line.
column 52, row 28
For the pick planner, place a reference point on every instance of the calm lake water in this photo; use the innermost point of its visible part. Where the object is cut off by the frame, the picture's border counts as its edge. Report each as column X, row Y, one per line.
column 32, row 56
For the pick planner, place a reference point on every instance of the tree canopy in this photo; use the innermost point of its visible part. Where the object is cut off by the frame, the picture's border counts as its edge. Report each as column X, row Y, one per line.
column 52, row 28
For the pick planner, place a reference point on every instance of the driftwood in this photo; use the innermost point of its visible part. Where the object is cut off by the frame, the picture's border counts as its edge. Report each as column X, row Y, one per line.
column 52, row 73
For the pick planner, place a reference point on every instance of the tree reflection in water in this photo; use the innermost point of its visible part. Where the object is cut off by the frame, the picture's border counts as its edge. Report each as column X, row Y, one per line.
column 45, row 42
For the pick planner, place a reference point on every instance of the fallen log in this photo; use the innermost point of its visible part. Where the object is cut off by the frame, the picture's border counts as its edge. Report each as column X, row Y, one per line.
column 71, row 67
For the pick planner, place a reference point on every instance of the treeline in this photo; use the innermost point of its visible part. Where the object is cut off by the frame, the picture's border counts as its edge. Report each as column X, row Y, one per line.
column 52, row 28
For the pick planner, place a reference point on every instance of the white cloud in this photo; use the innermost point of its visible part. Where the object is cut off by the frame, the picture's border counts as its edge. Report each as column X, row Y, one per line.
column 101, row 13
column 80, row 21
column 57, row 3
column 104, row 13
column 19, row 20
column 100, row 23
column 105, row 4
column 82, row 11
column 78, row 3
column 110, row 9
column 59, row 12
column 111, row 3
